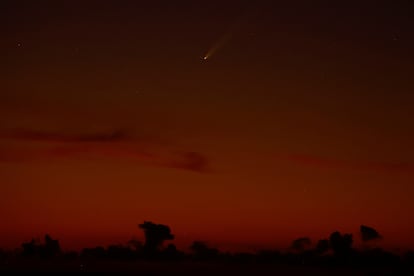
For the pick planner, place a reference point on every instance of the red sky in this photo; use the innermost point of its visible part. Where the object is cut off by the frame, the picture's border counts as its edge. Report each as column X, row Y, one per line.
column 299, row 125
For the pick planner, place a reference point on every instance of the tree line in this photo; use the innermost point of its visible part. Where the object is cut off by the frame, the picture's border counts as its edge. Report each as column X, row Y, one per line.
column 337, row 249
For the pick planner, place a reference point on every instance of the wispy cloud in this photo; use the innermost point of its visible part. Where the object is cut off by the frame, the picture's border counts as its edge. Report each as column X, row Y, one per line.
column 114, row 145
column 31, row 135
column 335, row 163
column 192, row 161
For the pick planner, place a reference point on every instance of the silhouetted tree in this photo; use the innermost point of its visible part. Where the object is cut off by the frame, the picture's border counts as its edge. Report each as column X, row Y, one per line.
column 301, row 244
column 51, row 247
column 155, row 235
column 368, row 233
column 322, row 246
column 341, row 244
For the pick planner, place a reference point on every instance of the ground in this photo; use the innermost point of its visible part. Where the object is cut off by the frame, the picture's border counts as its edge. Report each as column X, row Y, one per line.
column 186, row 268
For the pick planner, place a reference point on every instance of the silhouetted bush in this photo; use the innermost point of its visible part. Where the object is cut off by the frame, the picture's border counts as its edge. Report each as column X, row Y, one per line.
column 94, row 253
column 322, row 246
column 3, row 254
column 50, row 248
column 301, row 244
column 202, row 252
column 377, row 257
column 136, row 245
column 268, row 256
column 408, row 258
column 120, row 252
column 298, row 254
column 70, row 255
column 172, row 253
column 244, row 257
column 30, row 248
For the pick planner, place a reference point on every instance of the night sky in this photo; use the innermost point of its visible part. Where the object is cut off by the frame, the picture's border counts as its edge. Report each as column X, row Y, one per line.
column 242, row 123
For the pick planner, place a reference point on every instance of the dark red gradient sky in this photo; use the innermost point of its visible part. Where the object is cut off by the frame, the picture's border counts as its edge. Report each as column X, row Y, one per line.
column 299, row 123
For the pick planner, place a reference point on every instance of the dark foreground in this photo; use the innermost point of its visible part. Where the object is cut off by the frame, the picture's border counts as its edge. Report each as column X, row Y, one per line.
column 190, row 268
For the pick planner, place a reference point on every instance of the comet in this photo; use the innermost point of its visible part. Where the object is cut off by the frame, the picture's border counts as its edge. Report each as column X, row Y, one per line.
column 232, row 31
column 218, row 45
